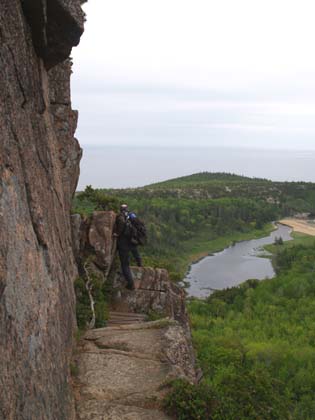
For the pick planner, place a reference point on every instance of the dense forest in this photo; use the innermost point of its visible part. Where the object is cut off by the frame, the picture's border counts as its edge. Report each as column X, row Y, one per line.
column 189, row 216
column 255, row 344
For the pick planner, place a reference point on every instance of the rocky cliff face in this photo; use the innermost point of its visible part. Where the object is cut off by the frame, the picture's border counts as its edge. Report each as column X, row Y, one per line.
column 39, row 166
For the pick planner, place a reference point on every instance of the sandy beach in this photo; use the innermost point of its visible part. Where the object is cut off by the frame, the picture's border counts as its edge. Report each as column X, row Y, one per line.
column 300, row 225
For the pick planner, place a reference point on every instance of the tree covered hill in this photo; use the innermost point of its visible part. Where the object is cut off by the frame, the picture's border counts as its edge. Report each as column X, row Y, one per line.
column 202, row 178
column 289, row 197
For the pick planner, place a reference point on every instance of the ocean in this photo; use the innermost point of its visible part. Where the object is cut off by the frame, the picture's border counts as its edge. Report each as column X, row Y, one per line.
column 122, row 167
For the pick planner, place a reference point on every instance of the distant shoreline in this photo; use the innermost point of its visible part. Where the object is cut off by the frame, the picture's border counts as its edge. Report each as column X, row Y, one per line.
column 299, row 225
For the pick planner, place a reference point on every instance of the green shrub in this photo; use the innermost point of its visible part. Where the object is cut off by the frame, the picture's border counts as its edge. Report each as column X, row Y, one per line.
column 188, row 402
column 83, row 304
column 93, row 199
column 250, row 394
column 239, row 395
column 83, row 308
column 154, row 315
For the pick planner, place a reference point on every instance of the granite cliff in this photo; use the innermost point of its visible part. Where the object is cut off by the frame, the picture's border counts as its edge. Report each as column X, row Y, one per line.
column 39, row 166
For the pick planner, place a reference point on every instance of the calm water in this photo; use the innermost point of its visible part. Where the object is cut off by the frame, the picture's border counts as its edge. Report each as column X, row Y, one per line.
column 233, row 265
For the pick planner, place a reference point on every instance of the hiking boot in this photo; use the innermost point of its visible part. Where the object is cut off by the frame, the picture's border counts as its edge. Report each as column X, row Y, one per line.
column 130, row 286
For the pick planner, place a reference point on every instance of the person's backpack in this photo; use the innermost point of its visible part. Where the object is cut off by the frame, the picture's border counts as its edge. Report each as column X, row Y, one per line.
column 136, row 230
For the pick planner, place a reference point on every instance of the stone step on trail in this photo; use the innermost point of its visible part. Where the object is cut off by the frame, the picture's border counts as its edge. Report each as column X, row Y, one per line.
column 124, row 318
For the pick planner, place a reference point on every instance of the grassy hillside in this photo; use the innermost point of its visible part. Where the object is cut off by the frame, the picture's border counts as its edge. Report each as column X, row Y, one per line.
column 202, row 178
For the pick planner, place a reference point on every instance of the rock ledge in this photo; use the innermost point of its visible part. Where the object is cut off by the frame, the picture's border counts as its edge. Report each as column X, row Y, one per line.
column 123, row 371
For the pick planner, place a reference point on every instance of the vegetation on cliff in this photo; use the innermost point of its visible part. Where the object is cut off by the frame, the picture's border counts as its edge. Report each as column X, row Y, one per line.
column 88, row 317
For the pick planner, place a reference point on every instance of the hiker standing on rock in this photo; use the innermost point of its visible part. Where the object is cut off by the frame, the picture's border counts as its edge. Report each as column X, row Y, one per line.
column 130, row 232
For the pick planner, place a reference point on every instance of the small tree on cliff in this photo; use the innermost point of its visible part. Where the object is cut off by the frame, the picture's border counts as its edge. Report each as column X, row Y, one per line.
column 98, row 198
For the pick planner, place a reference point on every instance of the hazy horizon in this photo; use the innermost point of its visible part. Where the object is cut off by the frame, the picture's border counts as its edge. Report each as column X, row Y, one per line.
column 195, row 75
column 123, row 167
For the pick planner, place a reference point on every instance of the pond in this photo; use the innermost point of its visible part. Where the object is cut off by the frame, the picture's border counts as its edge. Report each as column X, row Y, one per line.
column 234, row 265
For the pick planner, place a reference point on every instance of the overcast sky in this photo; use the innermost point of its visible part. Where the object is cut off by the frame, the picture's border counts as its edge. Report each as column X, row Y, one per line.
column 197, row 73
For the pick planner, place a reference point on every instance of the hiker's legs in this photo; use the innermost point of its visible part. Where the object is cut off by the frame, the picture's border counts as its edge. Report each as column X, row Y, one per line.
column 136, row 255
column 125, row 266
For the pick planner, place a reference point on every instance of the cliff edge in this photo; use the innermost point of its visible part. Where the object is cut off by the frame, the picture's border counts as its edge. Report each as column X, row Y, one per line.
column 39, row 165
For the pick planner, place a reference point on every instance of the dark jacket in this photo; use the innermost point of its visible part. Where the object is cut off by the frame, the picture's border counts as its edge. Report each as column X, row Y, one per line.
column 123, row 240
column 120, row 224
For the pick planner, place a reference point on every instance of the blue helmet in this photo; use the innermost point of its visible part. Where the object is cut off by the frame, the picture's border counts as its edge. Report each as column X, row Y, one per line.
column 132, row 216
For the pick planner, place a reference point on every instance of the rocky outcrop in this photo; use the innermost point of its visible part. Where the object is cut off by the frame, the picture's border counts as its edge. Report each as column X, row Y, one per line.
column 123, row 371
column 56, row 26
column 93, row 240
column 101, row 240
column 64, row 120
column 39, row 169
column 154, row 292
